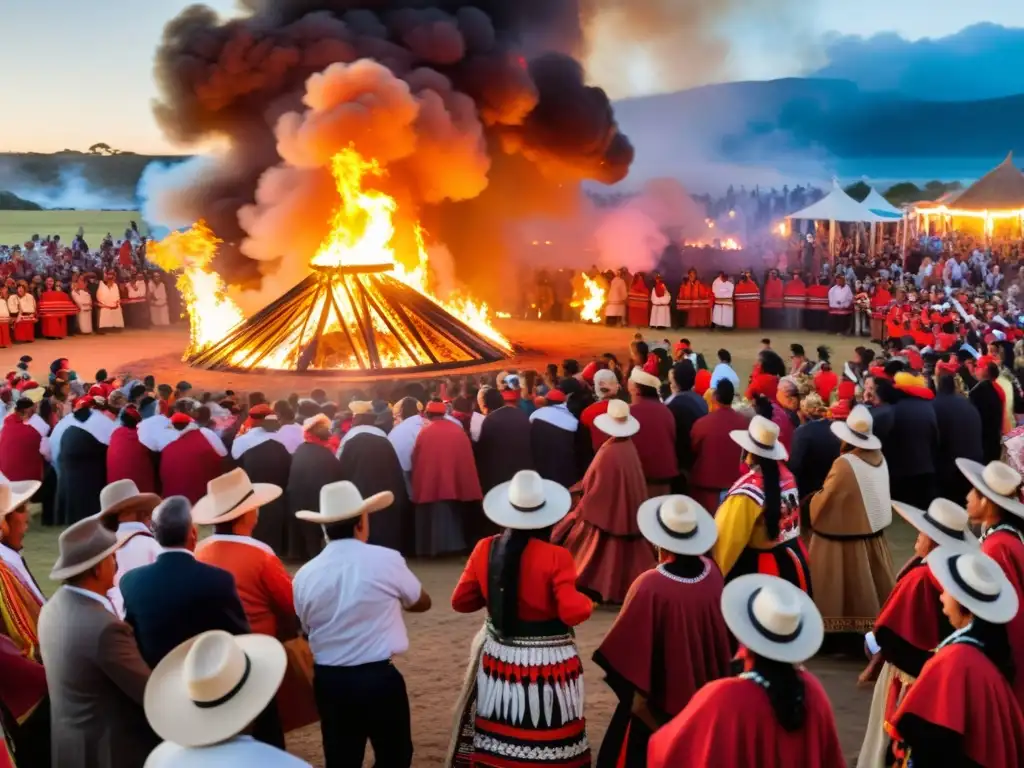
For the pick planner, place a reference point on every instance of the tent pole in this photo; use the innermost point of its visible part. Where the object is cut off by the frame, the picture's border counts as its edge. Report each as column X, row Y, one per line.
column 832, row 242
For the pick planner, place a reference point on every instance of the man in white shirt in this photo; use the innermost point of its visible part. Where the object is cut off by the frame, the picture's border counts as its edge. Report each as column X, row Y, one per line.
column 722, row 311
column 126, row 511
column 408, row 423
column 724, row 370
column 840, row 307
column 349, row 600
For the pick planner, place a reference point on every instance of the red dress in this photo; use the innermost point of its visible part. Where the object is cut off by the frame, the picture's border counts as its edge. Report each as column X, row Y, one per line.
column 1003, row 544
column 638, row 303
column 524, row 695
column 19, row 450
column 55, row 307
column 747, row 299
column 825, row 383
column 128, row 459
column 187, row 465
column 695, row 300
column 730, row 724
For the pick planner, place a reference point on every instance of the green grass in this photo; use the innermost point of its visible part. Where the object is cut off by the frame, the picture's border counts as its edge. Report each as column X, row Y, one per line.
column 19, row 226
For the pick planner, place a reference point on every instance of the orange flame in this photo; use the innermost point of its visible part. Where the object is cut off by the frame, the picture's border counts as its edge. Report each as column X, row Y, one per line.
column 594, row 301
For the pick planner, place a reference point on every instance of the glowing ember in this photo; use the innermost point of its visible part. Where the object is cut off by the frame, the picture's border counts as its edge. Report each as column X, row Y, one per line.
column 361, row 234
column 730, row 245
column 211, row 313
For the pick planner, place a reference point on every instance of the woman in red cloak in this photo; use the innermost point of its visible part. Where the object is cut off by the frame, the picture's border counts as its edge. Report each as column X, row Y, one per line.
column 189, row 463
column 994, row 505
column 512, row 713
column 638, row 302
column 880, row 301
column 962, row 711
column 127, row 458
column 55, row 307
column 676, row 605
column 601, row 532
column 911, row 623
column 775, row 714
column 747, row 297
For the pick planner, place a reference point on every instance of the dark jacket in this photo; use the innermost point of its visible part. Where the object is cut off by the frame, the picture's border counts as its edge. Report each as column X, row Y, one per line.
column 813, row 452
column 176, row 598
column 910, row 436
column 686, row 408
column 960, row 437
column 503, row 447
column 989, row 407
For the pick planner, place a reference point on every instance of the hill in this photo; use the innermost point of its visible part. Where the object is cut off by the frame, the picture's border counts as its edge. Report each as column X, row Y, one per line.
column 11, row 202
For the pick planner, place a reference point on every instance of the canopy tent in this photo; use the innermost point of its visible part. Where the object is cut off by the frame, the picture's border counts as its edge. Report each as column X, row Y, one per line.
column 878, row 205
column 838, row 206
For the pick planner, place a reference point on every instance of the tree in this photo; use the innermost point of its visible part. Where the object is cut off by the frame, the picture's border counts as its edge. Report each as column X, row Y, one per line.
column 103, row 149
column 858, row 191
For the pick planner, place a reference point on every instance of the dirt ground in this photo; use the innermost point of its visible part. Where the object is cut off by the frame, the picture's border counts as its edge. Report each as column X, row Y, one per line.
column 435, row 664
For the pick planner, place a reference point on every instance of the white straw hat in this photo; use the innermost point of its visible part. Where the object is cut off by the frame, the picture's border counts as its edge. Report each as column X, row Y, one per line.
column 121, row 495
column 343, row 501
column 212, row 686
column 13, row 495
column 527, row 502
column 857, row 429
column 997, row 481
column 772, row 618
column 82, row 546
column 976, row 581
column 230, row 496
column 639, row 376
column 677, row 524
column 945, row 523
column 761, row 438
column 617, row 421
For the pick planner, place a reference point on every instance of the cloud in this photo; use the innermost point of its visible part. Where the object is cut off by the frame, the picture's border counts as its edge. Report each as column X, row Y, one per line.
column 979, row 62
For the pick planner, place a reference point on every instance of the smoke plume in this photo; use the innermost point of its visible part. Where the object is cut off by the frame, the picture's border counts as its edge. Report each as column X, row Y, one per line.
column 478, row 114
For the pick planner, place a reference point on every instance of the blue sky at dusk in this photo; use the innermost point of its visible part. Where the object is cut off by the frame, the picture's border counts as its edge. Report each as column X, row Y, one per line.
column 83, row 71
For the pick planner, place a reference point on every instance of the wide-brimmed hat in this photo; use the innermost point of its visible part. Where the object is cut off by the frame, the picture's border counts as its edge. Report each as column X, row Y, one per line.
column 761, row 438
column 944, row 522
column 230, row 496
column 527, row 502
column 83, row 546
column 35, row 394
column 14, row 494
column 976, row 581
column 857, row 429
column 677, row 524
column 639, row 376
column 360, row 407
column 342, row 501
column 998, row 482
column 617, row 421
column 320, row 420
column 212, row 686
column 772, row 618
column 123, row 496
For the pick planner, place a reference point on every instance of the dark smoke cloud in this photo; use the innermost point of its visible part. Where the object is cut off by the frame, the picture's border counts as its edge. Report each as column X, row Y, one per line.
column 478, row 112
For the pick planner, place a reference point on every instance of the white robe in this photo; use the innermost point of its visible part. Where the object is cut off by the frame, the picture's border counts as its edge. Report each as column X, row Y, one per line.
column 83, row 299
column 661, row 312
column 616, row 302
column 13, row 307
column 27, row 304
column 158, row 312
column 109, row 299
column 722, row 313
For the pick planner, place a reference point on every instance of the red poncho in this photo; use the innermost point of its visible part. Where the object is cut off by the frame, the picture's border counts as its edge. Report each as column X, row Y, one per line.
column 187, row 465
column 19, row 450
column 128, row 459
column 1007, row 549
column 443, row 467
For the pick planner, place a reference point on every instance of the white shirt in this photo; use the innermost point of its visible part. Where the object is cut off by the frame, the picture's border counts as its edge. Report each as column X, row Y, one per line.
column 138, row 551
column 150, row 430
column 15, row 562
column 840, row 297
column 92, row 596
column 403, row 438
column 239, row 752
column 724, row 371
column 349, row 600
column 291, row 436
column 476, row 423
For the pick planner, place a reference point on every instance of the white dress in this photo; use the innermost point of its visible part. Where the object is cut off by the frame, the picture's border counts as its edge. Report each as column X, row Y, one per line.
column 661, row 312
column 616, row 302
column 722, row 313
column 158, row 312
column 109, row 299
column 83, row 299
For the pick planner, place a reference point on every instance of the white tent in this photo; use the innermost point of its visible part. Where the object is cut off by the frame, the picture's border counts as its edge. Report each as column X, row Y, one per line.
column 838, row 206
column 877, row 204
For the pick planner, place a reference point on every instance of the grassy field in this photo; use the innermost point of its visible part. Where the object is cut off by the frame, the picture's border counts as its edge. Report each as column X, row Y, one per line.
column 19, row 226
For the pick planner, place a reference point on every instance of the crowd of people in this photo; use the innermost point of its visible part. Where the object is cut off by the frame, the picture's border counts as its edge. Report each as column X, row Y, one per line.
column 740, row 525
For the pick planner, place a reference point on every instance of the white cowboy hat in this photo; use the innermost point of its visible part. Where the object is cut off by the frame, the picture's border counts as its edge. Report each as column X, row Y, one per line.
column 617, row 421
column 639, row 376
column 527, row 502
column 945, row 523
column 121, row 495
column 13, row 495
column 212, row 686
column 772, row 618
column 315, row 421
column 761, row 438
column 677, row 524
column 342, row 501
column 35, row 394
column 976, row 581
column 82, row 546
column 230, row 496
column 857, row 429
column 998, row 482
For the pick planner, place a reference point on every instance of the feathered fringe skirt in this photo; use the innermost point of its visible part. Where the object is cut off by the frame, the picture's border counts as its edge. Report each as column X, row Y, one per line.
column 521, row 704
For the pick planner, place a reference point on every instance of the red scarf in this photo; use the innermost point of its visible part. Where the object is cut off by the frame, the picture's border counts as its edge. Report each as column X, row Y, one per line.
column 659, row 287
column 309, row 437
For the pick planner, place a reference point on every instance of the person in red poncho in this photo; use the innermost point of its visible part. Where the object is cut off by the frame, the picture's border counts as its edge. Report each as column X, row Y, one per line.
column 764, row 378
column 656, row 443
column 995, row 505
column 601, row 531
column 638, row 302
column 775, row 714
column 55, row 307
column 747, row 299
column 881, row 299
column 694, row 302
column 188, row 463
column 961, row 710
column 20, row 444
column 910, row 624
column 825, row 381
column 445, row 485
column 676, row 605
column 127, row 458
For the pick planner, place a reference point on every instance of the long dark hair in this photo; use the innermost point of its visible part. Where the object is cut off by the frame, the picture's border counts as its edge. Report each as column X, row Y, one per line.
column 995, row 642
column 785, row 690
column 772, row 510
column 508, row 547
